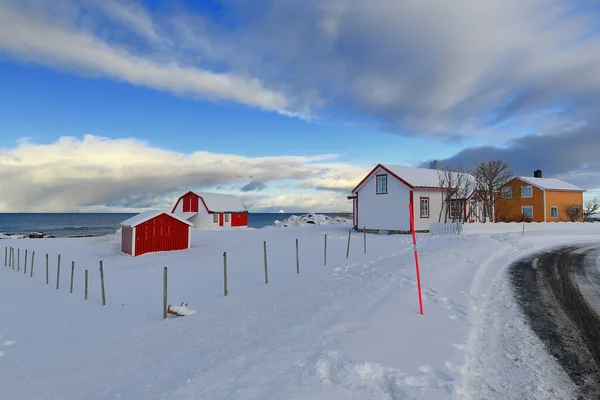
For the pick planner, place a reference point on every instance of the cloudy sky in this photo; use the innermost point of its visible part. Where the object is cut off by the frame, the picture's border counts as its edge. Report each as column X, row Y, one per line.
column 121, row 105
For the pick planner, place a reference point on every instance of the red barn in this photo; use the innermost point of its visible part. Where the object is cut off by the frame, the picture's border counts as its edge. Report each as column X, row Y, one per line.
column 153, row 231
column 207, row 210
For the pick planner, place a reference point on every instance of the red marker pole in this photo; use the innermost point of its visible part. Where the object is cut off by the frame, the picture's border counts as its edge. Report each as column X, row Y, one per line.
column 414, row 236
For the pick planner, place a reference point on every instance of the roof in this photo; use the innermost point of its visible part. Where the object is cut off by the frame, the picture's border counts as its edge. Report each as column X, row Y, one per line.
column 222, row 203
column 412, row 176
column 551, row 184
column 148, row 215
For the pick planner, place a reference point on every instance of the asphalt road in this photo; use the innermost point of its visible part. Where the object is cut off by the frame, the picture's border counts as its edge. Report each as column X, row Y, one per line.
column 559, row 294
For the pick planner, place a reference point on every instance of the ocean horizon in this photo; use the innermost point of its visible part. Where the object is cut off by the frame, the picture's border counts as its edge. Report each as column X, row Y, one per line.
column 100, row 223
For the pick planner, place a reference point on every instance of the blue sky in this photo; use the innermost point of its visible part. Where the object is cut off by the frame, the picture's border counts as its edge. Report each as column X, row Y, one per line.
column 300, row 98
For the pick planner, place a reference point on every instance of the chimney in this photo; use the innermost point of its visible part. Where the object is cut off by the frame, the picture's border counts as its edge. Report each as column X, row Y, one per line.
column 435, row 164
column 537, row 173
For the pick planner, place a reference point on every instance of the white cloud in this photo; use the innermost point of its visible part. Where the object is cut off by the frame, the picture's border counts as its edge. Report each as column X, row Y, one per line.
column 95, row 173
column 33, row 37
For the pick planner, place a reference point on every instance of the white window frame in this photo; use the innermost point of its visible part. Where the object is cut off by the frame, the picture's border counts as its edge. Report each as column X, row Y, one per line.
column 424, row 200
column 215, row 218
column 453, row 213
column 506, row 193
column 226, row 217
column 552, row 208
column 530, row 190
column 523, row 211
column 381, row 184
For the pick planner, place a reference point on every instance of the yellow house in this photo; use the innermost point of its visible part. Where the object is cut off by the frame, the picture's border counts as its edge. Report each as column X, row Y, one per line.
column 539, row 200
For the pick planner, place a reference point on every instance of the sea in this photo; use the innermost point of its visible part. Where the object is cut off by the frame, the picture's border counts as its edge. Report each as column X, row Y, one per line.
column 96, row 224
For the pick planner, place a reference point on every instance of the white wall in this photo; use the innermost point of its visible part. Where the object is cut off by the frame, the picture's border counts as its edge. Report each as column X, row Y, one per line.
column 384, row 211
column 203, row 219
column 435, row 205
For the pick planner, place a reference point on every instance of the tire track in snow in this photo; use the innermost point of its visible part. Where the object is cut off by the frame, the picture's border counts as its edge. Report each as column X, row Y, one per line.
column 547, row 288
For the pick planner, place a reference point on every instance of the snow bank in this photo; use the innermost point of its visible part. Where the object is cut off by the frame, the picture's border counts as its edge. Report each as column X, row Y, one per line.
column 32, row 235
column 506, row 227
column 311, row 219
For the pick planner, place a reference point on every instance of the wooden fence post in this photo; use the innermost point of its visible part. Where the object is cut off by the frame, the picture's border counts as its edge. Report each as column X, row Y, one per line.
column 348, row 247
column 46, row 268
column 5, row 256
column 365, row 235
column 25, row 263
column 11, row 258
column 325, row 252
column 297, row 259
column 58, row 272
column 85, row 290
column 18, row 260
column 102, row 284
column 266, row 270
column 72, row 276
column 165, row 305
column 31, row 269
column 225, row 291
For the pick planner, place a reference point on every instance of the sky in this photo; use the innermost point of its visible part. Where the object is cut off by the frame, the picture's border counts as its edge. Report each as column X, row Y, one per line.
column 124, row 105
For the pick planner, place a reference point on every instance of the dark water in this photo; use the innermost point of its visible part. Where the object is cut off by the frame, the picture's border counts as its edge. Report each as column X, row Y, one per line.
column 94, row 224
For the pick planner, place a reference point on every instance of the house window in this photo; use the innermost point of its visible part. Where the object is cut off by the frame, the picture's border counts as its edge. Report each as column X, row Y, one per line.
column 381, row 184
column 215, row 218
column 424, row 207
column 526, row 192
column 554, row 212
column 226, row 217
column 527, row 211
column 506, row 193
column 454, row 209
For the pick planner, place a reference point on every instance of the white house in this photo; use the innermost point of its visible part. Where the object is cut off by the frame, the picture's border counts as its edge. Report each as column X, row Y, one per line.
column 381, row 200
column 207, row 210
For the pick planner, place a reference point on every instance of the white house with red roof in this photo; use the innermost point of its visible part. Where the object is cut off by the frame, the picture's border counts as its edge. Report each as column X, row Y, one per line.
column 208, row 210
column 381, row 200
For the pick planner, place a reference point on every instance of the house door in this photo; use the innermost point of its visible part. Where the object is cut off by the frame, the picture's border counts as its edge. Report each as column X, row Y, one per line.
column 221, row 219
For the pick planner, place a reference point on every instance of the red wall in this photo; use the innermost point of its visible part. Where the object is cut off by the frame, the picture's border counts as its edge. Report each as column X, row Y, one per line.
column 240, row 219
column 162, row 233
column 190, row 203
column 126, row 239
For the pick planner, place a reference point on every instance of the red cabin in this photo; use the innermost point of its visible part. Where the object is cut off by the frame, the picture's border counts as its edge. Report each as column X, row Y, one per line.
column 153, row 231
column 207, row 210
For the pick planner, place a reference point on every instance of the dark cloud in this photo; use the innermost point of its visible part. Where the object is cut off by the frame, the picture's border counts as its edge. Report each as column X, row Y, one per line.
column 573, row 156
column 254, row 186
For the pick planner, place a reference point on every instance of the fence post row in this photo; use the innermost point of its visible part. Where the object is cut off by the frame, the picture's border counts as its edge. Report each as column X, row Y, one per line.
column 348, row 248
column 325, row 252
column 165, row 305
column 225, row 291
column 102, row 284
column 266, row 269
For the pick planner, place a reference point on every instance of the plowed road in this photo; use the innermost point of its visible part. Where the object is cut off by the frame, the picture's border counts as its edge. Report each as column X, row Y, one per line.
column 559, row 293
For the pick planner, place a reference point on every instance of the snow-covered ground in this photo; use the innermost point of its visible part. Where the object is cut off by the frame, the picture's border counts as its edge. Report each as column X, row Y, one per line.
column 347, row 330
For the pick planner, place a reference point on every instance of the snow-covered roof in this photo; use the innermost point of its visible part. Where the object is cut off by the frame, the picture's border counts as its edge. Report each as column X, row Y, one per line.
column 222, row 203
column 187, row 215
column 551, row 184
column 419, row 177
column 148, row 215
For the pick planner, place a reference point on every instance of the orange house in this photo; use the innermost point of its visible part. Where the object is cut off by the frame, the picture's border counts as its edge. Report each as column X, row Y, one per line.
column 538, row 199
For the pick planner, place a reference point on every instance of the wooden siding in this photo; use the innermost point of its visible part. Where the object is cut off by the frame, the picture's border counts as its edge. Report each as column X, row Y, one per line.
column 162, row 233
column 126, row 239
column 510, row 209
column 239, row 219
column 562, row 199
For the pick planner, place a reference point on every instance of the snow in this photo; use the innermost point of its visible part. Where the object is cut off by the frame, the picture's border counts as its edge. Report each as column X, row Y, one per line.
column 222, row 203
column 551, row 184
column 420, row 177
column 148, row 215
column 347, row 329
column 310, row 219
